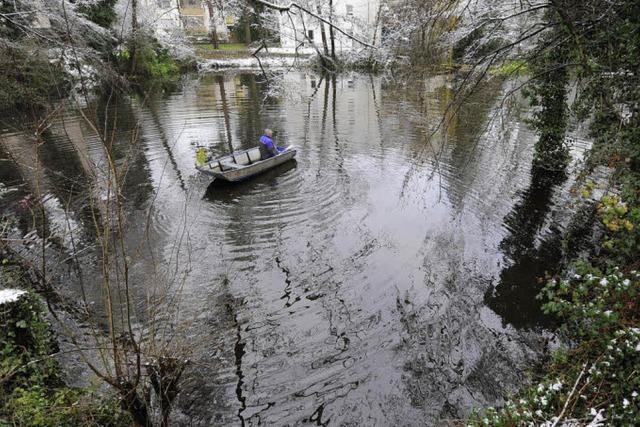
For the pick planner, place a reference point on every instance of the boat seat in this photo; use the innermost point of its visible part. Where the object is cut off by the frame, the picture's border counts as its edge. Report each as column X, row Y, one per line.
column 254, row 155
column 228, row 164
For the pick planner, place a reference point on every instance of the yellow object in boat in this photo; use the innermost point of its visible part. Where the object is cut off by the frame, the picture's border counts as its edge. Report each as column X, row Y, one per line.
column 201, row 156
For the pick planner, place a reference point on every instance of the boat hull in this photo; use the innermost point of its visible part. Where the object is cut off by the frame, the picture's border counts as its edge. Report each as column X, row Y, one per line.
column 247, row 170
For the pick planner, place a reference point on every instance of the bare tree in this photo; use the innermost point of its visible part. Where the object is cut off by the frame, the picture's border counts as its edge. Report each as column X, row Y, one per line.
column 136, row 344
column 212, row 24
column 328, row 21
column 332, row 37
column 323, row 34
column 135, row 33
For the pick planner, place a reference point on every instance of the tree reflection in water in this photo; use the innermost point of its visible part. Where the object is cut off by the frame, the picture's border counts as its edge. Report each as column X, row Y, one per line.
column 514, row 298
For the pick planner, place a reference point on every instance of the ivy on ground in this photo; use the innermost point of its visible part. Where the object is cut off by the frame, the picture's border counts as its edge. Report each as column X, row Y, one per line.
column 32, row 392
column 598, row 381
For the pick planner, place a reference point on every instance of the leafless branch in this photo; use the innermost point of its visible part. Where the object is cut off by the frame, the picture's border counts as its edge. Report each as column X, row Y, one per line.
column 293, row 5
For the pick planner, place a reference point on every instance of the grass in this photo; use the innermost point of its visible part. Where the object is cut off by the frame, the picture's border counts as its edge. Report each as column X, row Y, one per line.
column 226, row 50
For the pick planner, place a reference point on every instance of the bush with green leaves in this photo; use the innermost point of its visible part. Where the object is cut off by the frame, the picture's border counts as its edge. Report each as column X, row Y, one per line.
column 28, row 79
column 61, row 407
column 26, row 343
column 152, row 63
column 156, row 63
column 622, row 223
column 32, row 392
column 598, row 380
column 102, row 12
column 593, row 304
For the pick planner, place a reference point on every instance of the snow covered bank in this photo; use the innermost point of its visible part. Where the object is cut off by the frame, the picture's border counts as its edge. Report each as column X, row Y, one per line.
column 10, row 295
column 252, row 62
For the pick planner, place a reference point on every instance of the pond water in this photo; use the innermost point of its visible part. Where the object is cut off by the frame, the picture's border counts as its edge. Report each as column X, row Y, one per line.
column 383, row 277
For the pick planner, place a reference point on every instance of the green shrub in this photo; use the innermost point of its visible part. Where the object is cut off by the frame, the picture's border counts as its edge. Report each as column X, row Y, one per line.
column 157, row 63
column 593, row 304
column 62, row 407
column 101, row 12
column 32, row 392
column 599, row 379
column 153, row 63
column 622, row 224
column 26, row 337
column 28, row 79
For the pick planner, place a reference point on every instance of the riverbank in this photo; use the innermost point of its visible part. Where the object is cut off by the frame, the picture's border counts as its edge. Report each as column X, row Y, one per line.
column 237, row 56
column 51, row 54
column 33, row 389
column 274, row 63
column 593, row 379
column 243, row 57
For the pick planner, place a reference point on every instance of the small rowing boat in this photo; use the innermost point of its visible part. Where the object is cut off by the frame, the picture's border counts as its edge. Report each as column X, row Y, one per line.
column 244, row 164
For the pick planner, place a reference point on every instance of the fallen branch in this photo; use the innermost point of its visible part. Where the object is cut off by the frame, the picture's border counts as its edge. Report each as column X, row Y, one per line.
column 263, row 45
column 564, row 408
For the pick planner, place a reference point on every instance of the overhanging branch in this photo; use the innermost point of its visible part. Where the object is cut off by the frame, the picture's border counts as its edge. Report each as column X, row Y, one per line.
column 292, row 5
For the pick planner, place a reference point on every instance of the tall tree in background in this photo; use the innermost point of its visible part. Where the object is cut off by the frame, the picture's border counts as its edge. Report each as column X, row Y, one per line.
column 212, row 24
column 247, row 17
column 548, row 92
column 323, row 33
column 135, row 33
column 331, row 34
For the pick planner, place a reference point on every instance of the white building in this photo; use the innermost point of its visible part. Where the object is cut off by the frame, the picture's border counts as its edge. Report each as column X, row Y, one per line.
column 162, row 16
column 197, row 18
column 356, row 17
column 168, row 16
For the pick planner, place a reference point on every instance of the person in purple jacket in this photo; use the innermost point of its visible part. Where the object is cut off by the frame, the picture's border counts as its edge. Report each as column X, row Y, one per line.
column 268, row 148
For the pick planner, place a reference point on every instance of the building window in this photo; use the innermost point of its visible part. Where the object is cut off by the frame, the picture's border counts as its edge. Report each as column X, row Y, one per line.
column 350, row 10
column 310, row 35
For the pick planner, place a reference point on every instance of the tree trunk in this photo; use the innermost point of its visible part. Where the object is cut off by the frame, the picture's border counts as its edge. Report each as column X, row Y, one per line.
column 550, row 120
column 135, row 405
column 164, row 376
column 331, row 35
column 214, row 38
column 323, row 34
column 377, row 24
column 213, row 33
column 247, row 26
column 134, row 36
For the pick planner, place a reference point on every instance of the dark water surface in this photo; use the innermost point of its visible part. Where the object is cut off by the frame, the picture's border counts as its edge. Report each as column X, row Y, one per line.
column 382, row 278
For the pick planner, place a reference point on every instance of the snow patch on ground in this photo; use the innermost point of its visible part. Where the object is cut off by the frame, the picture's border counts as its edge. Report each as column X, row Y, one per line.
column 10, row 295
column 307, row 51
